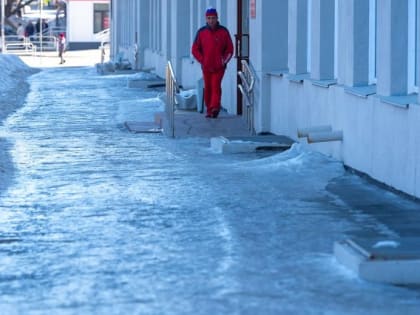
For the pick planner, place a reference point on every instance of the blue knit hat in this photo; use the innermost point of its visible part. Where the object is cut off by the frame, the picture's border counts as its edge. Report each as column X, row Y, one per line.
column 211, row 12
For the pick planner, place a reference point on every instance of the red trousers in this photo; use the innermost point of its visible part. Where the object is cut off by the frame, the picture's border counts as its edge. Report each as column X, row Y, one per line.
column 213, row 90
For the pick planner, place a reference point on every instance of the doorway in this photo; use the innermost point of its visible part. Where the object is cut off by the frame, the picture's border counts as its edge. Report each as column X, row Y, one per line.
column 241, row 46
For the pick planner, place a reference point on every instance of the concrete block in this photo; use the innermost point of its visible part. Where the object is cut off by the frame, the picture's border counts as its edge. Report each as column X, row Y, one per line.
column 389, row 262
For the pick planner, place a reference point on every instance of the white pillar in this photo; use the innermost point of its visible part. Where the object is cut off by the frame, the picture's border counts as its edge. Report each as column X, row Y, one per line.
column 418, row 49
column 179, row 33
column 268, row 53
column 3, row 44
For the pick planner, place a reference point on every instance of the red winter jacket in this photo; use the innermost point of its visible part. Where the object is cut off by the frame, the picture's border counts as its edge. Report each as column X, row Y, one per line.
column 212, row 48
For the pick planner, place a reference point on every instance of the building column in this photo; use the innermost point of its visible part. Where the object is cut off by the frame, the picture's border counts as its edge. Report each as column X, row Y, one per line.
column 322, row 41
column 392, row 52
column 179, row 33
column 353, row 43
column 143, row 30
column 113, row 35
column 268, row 53
column 298, row 36
column 418, row 49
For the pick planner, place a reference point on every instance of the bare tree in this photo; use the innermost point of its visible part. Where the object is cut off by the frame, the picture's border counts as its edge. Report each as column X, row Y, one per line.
column 15, row 7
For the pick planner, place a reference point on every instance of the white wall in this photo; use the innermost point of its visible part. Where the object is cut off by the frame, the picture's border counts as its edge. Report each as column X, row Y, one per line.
column 379, row 139
column 80, row 21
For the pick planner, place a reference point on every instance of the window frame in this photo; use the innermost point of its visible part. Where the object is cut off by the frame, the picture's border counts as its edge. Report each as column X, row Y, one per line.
column 103, row 13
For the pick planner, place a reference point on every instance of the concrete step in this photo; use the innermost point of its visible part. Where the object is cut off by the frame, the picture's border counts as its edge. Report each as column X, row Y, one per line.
column 385, row 261
column 145, row 84
column 143, row 127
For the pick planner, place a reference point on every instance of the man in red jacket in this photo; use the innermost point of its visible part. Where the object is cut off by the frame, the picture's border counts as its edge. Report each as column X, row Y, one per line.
column 213, row 48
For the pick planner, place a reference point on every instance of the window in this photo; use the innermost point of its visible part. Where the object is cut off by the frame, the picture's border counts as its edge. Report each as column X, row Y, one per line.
column 100, row 17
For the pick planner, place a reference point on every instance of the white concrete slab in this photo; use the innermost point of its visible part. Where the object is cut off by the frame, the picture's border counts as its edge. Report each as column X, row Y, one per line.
column 143, row 127
column 144, row 84
column 392, row 262
column 248, row 144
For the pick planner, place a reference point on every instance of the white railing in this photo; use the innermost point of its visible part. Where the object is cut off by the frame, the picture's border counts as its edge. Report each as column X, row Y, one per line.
column 171, row 101
column 247, row 89
column 14, row 43
column 103, row 36
column 49, row 43
column 17, row 47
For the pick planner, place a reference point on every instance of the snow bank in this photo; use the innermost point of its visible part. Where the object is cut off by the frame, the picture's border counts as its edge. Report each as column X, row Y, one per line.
column 146, row 76
column 13, row 86
column 13, row 91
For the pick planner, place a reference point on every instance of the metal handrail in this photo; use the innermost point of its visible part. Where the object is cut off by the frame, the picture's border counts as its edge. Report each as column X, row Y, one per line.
column 247, row 89
column 171, row 101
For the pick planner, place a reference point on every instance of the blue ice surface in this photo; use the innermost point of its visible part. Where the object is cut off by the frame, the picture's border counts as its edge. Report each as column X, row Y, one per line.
column 102, row 221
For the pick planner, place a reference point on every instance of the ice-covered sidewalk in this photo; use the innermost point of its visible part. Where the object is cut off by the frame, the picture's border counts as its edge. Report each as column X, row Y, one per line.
column 14, row 87
column 99, row 220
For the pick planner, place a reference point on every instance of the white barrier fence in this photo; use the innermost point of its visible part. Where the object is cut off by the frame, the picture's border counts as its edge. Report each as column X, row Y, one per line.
column 15, row 44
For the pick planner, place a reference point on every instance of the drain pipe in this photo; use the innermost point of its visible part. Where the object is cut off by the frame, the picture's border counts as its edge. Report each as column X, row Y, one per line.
column 326, row 136
column 320, row 134
column 304, row 132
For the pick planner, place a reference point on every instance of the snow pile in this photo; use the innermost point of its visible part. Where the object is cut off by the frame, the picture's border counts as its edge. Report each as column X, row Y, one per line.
column 146, row 76
column 13, row 91
column 13, row 86
column 188, row 93
column 304, row 172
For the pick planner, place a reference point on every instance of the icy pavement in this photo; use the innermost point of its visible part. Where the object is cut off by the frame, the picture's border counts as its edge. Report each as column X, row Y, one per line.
column 98, row 220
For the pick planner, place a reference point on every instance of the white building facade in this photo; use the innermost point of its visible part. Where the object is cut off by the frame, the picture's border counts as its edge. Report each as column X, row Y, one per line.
column 352, row 65
column 85, row 19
